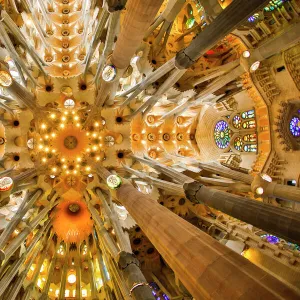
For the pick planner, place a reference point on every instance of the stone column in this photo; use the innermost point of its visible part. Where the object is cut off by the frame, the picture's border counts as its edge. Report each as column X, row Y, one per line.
column 63, row 278
column 24, row 177
column 134, row 278
column 18, row 284
column 273, row 189
column 106, row 287
column 78, row 282
column 228, row 20
column 92, row 278
column 6, row 253
column 14, row 268
column 22, row 96
column 45, row 292
column 216, row 168
column 138, row 17
column 123, row 240
column 27, row 203
column 40, row 262
column 208, row 269
column 279, row 221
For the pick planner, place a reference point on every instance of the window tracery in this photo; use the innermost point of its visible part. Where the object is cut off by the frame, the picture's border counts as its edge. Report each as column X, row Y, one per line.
column 222, row 134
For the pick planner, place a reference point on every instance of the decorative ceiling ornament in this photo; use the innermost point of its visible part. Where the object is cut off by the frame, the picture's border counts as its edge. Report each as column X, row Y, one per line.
column 6, row 184
column 109, row 73
column 6, row 79
column 114, row 181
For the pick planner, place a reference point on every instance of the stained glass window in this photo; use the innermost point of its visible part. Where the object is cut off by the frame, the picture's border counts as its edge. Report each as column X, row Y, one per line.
column 222, row 134
column 250, row 148
column 295, row 126
column 249, row 124
column 238, row 143
column 250, row 114
column 272, row 239
column 250, row 137
column 253, row 18
column 237, row 122
column 190, row 22
column 274, row 4
column 157, row 293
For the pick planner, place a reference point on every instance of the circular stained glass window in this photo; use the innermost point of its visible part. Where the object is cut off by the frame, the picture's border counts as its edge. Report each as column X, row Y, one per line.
column 295, row 126
column 238, row 143
column 222, row 134
column 237, row 122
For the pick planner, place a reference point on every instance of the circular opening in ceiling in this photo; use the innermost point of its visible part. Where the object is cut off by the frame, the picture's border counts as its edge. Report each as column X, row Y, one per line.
column 119, row 119
column 83, row 87
column 48, row 88
column 150, row 250
column 74, row 208
column 137, row 241
column 16, row 158
column 120, row 155
column 16, row 123
column 181, row 201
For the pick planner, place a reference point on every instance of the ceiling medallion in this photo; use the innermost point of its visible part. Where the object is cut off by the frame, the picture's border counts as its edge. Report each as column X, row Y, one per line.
column 5, row 79
column 74, row 208
column 114, row 181
column 6, row 184
column 70, row 142
column 109, row 73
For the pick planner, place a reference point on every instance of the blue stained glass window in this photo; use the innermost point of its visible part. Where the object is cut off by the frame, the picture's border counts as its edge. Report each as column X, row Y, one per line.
column 295, row 126
column 157, row 293
column 250, row 148
column 222, row 134
column 237, row 122
column 272, row 239
column 248, row 114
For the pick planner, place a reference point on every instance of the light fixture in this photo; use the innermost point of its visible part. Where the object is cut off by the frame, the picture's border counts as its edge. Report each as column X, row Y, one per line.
column 259, row 191
column 114, row 181
column 109, row 73
column 254, row 66
column 5, row 79
column 72, row 278
column 266, row 177
column 246, row 54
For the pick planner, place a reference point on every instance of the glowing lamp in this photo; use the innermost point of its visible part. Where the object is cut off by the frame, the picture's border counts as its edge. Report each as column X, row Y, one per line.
column 109, row 73
column 6, row 184
column 266, row 177
column 259, row 191
column 254, row 66
column 114, row 182
column 246, row 54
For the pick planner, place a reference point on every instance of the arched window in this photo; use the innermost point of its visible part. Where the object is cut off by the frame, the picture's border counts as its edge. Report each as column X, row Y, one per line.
column 250, row 138
column 250, row 148
column 237, row 122
column 238, row 143
column 295, row 126
column 250, row 114
column 249, row 124
column 222, row 134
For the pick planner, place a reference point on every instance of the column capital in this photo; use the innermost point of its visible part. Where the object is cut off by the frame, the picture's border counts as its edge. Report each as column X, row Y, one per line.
column 191, row 189
column 125, row 259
